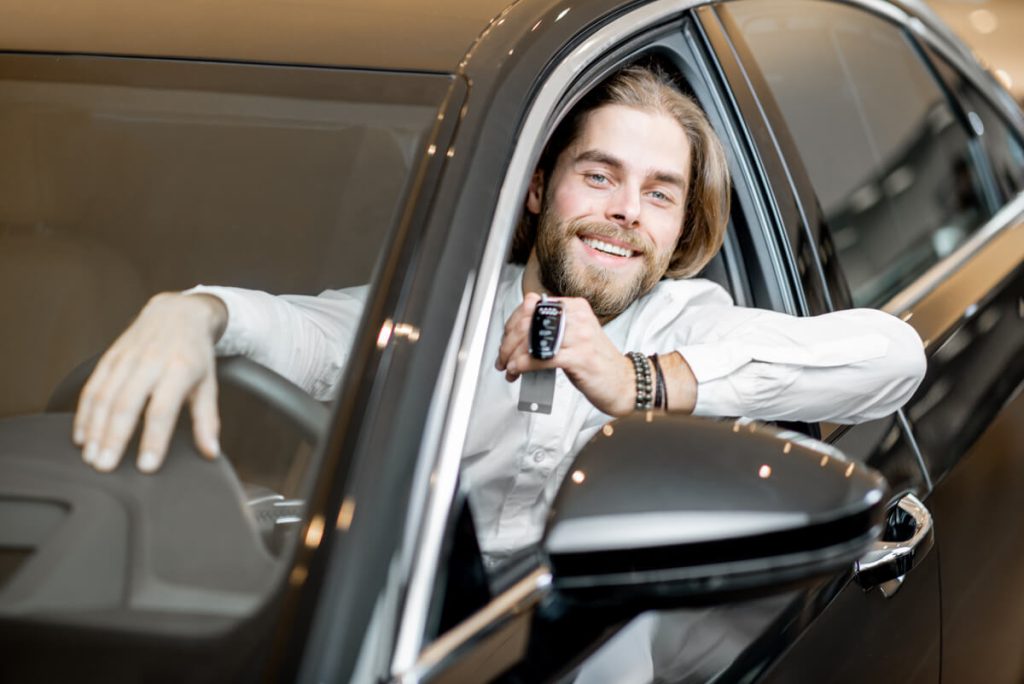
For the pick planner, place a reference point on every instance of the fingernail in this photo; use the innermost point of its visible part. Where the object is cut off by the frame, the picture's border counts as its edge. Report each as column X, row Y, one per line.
column 214, row 447
column 511, row 367
column 90, row 452
column 148, row 462
column 79, row 436
column 106, row 460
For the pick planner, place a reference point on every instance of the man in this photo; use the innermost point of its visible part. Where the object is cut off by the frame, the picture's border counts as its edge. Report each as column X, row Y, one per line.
column 632, row 187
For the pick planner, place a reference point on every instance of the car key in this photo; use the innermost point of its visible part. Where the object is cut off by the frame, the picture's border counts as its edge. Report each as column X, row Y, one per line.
column 546, row 329
column 537, row 388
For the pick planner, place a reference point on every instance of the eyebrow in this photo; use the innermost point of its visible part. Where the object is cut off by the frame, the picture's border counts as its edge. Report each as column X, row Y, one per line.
column 615, row 163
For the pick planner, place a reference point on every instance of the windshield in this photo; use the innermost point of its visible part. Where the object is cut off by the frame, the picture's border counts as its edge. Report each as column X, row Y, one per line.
column 122, row 178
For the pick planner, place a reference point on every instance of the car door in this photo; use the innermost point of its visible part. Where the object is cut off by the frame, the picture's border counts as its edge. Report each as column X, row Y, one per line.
column 919, row 235
column 491, row 632
column 968, row 413
column 817, row 91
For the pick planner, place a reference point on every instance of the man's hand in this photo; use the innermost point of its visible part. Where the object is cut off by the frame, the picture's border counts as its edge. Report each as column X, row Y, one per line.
column 589, row 359
column 165, row 357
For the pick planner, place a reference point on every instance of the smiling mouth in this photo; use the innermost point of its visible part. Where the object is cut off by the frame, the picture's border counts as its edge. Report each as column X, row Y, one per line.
column 608, row 248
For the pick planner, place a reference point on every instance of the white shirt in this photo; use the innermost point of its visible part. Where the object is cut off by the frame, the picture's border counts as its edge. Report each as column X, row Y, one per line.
column 847, row 367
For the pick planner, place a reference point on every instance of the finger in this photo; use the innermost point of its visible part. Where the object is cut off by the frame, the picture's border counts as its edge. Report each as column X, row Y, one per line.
column 530, row 300
column 517, row 330
column 86, row 398
column 124, row 415
column 161, row 417
column 101, row 404
column 521, row 362
column 524, row 310
column 514, row 342
column 205, row 418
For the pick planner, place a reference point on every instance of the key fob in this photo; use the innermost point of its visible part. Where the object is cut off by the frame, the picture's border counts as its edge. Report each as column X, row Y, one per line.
column 546, row 329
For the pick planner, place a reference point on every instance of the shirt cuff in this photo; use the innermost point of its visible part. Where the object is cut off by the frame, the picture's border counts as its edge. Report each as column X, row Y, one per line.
column 237, row 336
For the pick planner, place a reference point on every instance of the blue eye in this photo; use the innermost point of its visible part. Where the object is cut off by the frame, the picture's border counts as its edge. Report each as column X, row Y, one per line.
column 597, row 177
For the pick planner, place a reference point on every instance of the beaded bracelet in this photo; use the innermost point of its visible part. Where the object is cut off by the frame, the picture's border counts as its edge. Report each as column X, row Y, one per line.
column 644, row 386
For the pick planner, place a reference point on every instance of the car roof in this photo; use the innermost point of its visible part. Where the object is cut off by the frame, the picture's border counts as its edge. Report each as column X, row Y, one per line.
column 388, row 34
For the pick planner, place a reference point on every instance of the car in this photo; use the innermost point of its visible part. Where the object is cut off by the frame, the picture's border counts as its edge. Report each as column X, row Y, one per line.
column 295, row 147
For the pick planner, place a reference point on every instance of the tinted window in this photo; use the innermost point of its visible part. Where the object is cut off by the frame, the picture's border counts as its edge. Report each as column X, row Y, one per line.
column 120, row 179
column 886, row 155
column 1002, row 145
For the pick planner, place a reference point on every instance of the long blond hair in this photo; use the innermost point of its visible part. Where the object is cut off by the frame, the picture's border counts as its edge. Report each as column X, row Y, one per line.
column 707, row 197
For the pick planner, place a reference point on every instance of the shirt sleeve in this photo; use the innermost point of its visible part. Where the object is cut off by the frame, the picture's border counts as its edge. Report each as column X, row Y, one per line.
column 304, row 338
column 846, row 367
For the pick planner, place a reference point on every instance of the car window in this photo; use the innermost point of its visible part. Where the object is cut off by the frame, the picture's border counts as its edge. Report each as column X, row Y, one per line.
column 1004, row 147
column 122, row 178
column 886, row 155
column 1002, row 144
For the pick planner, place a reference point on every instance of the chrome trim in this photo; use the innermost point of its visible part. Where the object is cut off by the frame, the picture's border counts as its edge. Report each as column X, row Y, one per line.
column 510, row 199
column 517, row 599
column 889, row 560
column 1004, row 219
column 433, row 486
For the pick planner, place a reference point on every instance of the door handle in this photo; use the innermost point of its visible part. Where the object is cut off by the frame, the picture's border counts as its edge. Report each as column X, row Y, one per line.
column 908, row 537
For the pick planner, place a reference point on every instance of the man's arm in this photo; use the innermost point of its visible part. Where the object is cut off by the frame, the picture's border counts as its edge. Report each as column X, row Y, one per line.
column 723, row 360
column 166, row 358
column 846, row 367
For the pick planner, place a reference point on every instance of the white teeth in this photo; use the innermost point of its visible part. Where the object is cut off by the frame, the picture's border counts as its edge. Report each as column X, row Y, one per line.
column 607, row 248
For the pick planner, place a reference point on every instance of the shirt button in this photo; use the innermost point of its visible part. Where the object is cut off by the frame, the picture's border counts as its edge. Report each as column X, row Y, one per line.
column 538, row 456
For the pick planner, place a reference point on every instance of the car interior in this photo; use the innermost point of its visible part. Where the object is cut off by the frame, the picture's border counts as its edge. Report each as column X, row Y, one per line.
column 209, row 173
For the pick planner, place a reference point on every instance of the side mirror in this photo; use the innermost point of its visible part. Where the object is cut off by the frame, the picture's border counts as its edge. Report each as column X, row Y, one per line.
column 673, row 510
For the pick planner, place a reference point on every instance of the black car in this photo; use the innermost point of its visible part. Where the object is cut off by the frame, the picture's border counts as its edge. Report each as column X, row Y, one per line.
column 295, row 147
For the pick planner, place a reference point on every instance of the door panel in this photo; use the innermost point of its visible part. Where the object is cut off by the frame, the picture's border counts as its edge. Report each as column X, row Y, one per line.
column 969, row 420
column 864, row 636
column 977, row 508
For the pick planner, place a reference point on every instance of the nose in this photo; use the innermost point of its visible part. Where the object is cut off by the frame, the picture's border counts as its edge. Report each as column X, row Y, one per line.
column 623, row 206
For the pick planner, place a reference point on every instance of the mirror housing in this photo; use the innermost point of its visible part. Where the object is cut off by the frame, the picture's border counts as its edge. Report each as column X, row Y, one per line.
column 663, row 509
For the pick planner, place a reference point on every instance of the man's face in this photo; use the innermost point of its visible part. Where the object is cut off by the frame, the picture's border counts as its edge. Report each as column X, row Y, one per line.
column 612, row 211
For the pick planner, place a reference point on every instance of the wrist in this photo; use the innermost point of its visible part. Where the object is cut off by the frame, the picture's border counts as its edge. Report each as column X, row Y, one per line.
column 214, row 313
column 626, row 399
column 680, row 381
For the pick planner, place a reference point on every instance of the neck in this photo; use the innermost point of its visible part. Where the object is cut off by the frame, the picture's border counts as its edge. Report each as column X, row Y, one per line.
column 531, row 276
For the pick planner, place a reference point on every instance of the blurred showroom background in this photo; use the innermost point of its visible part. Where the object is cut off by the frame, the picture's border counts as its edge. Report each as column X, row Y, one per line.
column 995, row 30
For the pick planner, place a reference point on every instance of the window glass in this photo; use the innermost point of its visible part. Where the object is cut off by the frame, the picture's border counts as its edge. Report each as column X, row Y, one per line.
column 1002, row 145
column 123, row 178
column 886, row 155
column 120, row 179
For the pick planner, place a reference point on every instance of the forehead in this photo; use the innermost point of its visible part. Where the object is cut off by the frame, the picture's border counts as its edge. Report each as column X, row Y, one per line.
column 643, row 140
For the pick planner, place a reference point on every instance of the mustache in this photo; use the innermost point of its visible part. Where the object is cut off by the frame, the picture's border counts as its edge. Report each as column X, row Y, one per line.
column 598, row 229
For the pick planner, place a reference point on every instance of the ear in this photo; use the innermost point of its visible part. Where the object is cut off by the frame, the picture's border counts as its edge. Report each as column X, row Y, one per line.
column 535, row 195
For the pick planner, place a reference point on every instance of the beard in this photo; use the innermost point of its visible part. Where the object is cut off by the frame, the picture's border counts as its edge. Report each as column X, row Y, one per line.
column 609, row 291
